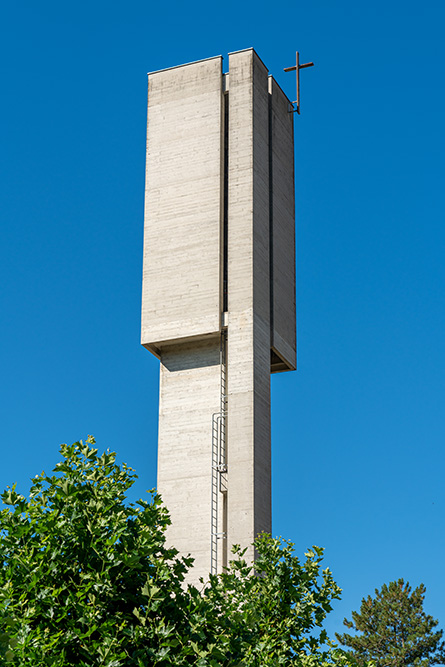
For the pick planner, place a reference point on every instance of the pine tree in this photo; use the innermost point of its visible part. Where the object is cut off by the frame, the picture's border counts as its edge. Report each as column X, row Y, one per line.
column 396, row 632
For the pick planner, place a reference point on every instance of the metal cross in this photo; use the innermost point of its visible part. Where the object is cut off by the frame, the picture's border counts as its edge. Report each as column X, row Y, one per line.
column 297, row 69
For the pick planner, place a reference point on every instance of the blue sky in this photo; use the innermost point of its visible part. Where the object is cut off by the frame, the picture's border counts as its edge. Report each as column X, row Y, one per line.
column 358, row 430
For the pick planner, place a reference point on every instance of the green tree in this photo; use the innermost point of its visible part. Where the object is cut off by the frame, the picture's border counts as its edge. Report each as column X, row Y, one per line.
column 86, row 579
column 395, row 629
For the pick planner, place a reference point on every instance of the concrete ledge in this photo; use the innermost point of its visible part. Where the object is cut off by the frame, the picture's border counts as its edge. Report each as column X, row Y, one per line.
column 157, row 347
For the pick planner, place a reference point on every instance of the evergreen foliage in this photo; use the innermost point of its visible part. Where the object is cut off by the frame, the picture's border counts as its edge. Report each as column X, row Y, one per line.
column 86, row 579
column 396, row 632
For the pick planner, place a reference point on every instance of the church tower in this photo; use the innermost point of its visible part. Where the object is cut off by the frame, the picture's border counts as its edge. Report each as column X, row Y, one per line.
column 218, row 298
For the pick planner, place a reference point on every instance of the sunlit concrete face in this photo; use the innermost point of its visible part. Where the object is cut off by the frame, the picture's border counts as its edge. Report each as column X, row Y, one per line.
column 182, row 245
column 218, row 302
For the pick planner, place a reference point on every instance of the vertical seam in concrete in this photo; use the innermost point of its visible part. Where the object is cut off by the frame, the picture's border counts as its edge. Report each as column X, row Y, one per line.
column 270, row 215
column 225, row 188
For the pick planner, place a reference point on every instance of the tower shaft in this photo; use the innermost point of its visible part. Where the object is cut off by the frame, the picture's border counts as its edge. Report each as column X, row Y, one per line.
column 218, row 305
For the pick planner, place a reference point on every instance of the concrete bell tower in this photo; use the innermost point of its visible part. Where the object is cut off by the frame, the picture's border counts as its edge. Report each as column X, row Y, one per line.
column 218, row 298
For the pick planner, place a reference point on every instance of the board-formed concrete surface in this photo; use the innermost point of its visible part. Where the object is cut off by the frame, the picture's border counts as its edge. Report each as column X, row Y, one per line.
column 182, row 238
column 282, row 221
column 248, row 370
column 189, row 396
column 218, row 303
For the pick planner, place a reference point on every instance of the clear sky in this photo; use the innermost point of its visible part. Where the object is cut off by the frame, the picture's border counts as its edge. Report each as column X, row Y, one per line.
column 358, row 430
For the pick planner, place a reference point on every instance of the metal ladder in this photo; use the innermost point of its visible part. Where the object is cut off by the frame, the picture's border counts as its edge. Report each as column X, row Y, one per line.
column 219, row 460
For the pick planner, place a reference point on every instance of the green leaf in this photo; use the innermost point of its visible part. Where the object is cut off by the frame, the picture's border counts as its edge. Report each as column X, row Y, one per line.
column 87, row 580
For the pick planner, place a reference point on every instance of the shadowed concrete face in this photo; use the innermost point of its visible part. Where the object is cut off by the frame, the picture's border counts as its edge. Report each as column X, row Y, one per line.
column 218, row 304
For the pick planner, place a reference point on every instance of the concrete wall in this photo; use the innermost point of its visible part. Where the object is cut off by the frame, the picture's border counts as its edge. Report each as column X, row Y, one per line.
column 189, row 395
column 181, row 295
column 282, row 221
column 248, row 369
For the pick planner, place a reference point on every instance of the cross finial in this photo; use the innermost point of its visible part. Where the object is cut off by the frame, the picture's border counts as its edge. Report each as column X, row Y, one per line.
column 297, row 67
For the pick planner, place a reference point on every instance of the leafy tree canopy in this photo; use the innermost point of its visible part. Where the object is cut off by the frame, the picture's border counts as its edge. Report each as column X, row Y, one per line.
column 395, row 629
column 86, row 579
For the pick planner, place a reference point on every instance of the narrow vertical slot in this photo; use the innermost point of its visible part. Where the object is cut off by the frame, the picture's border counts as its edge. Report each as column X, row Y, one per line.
column 271, row 294
column 225, row 200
